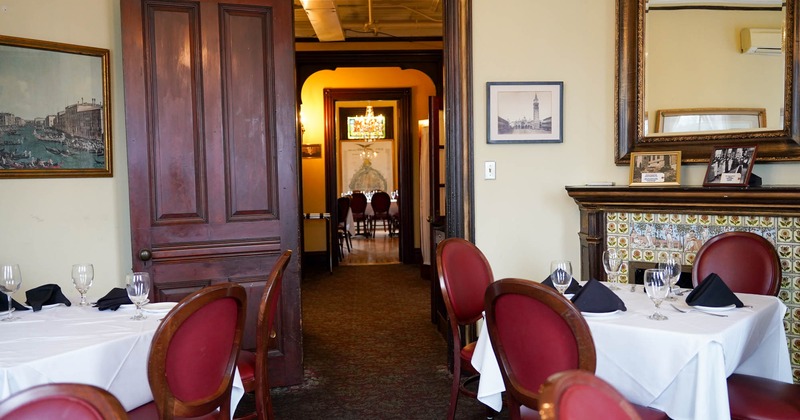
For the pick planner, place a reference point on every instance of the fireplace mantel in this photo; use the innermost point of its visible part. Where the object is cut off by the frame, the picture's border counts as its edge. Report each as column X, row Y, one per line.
column 594, row 202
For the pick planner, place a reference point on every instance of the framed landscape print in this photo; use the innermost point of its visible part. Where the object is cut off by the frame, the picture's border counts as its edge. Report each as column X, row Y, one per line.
column 55, row 114
column 730, row 166
column 524, row 112
column 654, row 169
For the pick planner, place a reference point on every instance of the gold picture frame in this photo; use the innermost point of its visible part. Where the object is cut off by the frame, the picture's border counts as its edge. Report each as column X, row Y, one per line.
column 60, row 125
column 655, row 169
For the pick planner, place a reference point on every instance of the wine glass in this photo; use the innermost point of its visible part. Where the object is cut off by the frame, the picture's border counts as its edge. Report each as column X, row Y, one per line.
column 10, row 280
column 612, row 262
column 138, row 287
column 82, row 277
column 656, row 284
column 561, row 274
column 672, row 269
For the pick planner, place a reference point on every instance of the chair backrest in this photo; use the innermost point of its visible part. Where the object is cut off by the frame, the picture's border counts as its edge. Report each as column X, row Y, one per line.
column 746, row 262
column 464, row 274
column 194, row 352
column 580, row 395
column 358, row 203
column 535, row 332
column 342, row 207
column 266, row 320
column 59, row 400
column 381, row 202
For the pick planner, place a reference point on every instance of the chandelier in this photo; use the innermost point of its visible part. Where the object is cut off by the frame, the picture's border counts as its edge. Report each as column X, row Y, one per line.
column 369, row 126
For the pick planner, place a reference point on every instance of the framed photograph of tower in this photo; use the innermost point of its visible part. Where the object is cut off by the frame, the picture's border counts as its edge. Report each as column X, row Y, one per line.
column 524, row 112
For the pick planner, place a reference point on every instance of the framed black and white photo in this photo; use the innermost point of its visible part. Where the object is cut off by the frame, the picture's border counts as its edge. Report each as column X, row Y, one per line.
column 55, row 114
column 524, row 112
column 730, row 166
column 655, row 169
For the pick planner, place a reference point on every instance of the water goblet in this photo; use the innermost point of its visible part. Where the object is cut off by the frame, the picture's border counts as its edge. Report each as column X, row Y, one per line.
column 10, row 281
column 612, row 262
column 656, row 284
column 138, row 287
column 561, row 275
column 672, row 270
column 82, row 277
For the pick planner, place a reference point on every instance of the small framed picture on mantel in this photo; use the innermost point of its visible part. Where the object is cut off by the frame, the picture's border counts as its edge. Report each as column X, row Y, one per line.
column 655, row 169
column 730, row 167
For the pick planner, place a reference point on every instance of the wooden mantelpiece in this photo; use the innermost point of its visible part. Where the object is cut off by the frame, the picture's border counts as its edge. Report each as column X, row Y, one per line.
column 595, row 202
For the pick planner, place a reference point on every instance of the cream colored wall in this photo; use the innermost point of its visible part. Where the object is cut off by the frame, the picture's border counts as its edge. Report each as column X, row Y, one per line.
column 313, row 120
column 525, row 218
column 694, row 60
column 46, row 225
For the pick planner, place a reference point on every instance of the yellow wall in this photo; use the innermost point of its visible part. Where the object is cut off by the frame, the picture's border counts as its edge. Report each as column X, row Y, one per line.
column 313, row 120
column 525, row 219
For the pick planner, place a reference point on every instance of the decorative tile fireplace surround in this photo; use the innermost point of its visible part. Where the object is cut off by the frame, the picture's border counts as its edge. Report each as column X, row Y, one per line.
column 646, row 223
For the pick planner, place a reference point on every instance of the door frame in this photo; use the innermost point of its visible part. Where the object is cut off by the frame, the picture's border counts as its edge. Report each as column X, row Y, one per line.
column 402, row 96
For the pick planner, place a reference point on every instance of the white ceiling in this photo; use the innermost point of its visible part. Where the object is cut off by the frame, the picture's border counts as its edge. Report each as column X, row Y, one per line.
column 390, row 18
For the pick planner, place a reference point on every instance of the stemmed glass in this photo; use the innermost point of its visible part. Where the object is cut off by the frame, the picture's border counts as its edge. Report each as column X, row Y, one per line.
column 10, row 280
column 612, row 262
column 656, row 284
column 561, row 274
column 82, row 277
column 138, row 287
column 672, row 269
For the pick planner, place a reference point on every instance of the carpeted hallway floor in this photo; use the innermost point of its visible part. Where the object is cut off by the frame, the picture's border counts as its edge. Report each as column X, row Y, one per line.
column 370, row 350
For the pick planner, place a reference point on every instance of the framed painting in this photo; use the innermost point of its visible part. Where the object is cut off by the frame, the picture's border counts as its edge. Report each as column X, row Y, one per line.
column 347, row 121
column 524, row 112
column 655, row 169
column 366, row 166
column 55, row 110
column 730, row 166
column 311, row 151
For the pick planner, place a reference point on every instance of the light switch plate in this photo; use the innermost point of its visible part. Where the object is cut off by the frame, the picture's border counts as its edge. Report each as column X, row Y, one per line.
column 489, row 170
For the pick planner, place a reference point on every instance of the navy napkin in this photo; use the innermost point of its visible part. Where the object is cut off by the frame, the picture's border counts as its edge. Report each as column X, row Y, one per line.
column 113, row 299
column 713, row 292
column 596, row 297
column 4, row 304
column 46, row 294
column 572, row 289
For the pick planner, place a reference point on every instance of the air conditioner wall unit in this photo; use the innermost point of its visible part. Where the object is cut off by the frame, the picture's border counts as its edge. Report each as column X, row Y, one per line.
column 761, row 41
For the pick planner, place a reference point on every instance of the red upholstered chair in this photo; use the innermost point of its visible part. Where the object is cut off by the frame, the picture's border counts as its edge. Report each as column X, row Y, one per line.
column 193, row 355
column 253, row 366
column 746, row 262
column 342, row 208
column 358, row 205
column 751, row 397
column 536, row 332
column 62, row 401
column 464, row 274
column 580, row 395
column 380, row 208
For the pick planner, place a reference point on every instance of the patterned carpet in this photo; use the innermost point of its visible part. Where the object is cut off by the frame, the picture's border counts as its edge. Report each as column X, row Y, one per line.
column 371, row 351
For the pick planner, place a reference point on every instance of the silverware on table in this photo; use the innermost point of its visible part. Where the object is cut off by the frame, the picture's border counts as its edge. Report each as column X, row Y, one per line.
column 697, row 310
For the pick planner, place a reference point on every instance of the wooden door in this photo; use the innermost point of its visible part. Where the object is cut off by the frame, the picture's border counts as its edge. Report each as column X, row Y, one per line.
column 436, row 219
column 212, row 157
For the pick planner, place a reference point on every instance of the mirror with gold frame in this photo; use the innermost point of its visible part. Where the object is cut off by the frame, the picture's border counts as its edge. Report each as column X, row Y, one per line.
column 649, row 75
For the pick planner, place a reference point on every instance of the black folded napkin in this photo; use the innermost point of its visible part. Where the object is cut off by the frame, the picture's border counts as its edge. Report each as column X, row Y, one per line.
column 4, row 304
column 596, row 297
column 113, row 299
column 713, row 292
column 46, row 294
column 572, row 289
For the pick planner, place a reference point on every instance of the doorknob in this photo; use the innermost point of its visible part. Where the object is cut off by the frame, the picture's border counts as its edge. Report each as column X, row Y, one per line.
column 145, row 255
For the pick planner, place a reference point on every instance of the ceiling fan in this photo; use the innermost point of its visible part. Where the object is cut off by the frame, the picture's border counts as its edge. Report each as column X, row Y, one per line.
column 341, row 20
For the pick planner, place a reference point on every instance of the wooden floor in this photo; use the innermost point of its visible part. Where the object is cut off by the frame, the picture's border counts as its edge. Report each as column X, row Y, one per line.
column 380, row 249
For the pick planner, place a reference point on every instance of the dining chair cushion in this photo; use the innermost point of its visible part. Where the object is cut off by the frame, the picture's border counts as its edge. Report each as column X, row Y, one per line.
column 246, row 365
column 752, row 397
column 62, row 401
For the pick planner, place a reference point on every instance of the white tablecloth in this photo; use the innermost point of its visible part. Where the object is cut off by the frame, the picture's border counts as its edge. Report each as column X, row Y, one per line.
column 82, row 345
column 678, row 366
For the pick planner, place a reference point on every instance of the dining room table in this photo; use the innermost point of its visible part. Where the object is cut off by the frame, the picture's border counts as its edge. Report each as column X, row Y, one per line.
column 678, row 365
column 77, row 344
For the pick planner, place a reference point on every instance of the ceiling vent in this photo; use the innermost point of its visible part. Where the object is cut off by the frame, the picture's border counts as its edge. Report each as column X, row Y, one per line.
column 761, row 41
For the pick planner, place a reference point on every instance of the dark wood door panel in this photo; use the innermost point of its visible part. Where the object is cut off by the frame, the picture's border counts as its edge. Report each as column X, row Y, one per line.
column 212, row 153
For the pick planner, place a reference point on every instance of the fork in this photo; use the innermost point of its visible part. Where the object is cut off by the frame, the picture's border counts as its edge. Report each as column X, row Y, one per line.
column 686, row 312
